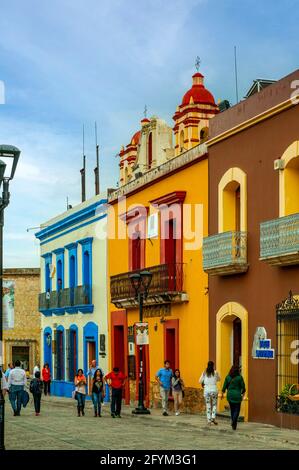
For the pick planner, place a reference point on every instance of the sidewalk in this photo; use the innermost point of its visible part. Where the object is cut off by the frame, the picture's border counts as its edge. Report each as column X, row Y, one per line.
column 253, row 431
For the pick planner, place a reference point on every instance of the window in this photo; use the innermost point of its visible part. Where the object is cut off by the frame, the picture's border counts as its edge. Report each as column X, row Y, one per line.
column 182, row 141
column 72, row 353
column 86, row 244
column 289, row 182
column 232, row 201
column 288, row 354
column 59, row 375
column 203, row 135
column 231, row 207
column 136, row 251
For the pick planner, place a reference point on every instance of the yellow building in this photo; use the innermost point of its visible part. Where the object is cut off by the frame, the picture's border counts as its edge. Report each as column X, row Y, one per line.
column 157, row 220
column 22, row 323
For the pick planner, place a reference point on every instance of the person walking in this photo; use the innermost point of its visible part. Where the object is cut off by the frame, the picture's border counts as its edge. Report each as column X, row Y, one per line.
column 178, row 386
column 235, row 386
column 80, row 384
column 116, row 381
column 16, row 382
column 163, row 377
column 98, row 392
column 36, row 368
column 208, row 380
column 36, row 388
column 7, row 372
column 46, row 377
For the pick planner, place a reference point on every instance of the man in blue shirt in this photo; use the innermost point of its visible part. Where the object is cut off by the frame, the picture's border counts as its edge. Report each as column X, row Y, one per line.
column 163, row 377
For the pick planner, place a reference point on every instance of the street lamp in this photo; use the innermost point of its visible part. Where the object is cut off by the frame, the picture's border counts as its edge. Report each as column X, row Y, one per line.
column 141, row 282
column 9, row 156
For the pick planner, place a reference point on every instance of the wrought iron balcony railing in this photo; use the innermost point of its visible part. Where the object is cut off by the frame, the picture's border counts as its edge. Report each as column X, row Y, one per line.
column 279, row 240
column 167, row 286
column 64, row 298
column 44, row 301
column 225, row 253
column 82, row 295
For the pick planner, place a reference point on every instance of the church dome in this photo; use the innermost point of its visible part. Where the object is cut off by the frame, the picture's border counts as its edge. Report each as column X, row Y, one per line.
column 135, row 139
column 198, row 94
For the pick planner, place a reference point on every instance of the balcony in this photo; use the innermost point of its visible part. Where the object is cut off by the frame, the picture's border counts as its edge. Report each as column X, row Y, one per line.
column 225, row 253
column 167, row 287
column 279, row 241
column 69, row 300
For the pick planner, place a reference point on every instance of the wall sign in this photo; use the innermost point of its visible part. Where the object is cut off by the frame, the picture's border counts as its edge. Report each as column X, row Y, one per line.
column 261, row 347
column 142, row 336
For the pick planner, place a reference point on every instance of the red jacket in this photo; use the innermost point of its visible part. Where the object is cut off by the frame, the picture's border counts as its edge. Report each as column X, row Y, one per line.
column 46, row 375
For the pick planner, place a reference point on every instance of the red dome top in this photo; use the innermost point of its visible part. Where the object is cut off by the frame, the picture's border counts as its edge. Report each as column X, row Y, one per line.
column 135, row 139
column 198, row 92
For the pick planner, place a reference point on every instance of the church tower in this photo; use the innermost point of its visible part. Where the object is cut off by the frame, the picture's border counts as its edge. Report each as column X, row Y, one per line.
column 192, row 116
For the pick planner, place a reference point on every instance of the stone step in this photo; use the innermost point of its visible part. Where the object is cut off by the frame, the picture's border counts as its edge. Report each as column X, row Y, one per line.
column 226, row 414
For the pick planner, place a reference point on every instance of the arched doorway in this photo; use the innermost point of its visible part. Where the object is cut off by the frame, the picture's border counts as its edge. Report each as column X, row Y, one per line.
column 232, row 345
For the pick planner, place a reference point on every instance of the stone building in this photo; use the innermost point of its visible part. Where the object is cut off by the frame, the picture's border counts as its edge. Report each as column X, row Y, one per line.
column 22, row 321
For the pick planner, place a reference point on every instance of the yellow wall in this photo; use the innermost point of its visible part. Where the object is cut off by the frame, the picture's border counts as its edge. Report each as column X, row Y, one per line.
column 193, row 315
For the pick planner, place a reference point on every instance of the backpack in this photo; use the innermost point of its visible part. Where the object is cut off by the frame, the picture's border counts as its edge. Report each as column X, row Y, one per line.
column 35, row 386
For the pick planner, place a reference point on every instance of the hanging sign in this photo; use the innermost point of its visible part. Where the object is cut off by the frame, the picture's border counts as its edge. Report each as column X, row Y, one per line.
column 261, row 348
column 142, row 336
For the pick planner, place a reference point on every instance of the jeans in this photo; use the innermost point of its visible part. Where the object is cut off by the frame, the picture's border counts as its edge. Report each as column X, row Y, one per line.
column 81, row 400
column 37, row 399
column 47, row 387
column 234, row 411
column 97, row 402
column 177, row 398
column 164, row 396
column 211, row 405
column 116, row 399
column 15, row 396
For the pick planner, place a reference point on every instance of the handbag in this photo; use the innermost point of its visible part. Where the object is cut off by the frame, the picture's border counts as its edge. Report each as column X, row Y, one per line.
column 25, row 398
column 74, row 395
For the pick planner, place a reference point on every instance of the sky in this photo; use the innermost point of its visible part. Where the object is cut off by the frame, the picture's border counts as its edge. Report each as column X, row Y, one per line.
column 65, row 63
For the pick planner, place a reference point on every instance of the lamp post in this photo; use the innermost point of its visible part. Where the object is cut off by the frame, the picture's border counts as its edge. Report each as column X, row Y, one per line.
column 141, row 283
column 9, row 157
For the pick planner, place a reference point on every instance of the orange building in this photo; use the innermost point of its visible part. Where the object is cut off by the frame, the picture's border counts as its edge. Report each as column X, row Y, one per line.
column 157, row 220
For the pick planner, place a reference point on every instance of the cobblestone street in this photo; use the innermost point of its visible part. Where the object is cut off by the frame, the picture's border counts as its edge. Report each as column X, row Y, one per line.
column 58, row 427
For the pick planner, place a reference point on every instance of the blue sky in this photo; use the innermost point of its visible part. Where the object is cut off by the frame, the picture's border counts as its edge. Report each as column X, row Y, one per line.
column 69, row 62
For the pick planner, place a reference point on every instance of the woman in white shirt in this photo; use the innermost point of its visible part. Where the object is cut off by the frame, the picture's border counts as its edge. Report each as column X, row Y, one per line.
column 208, row 380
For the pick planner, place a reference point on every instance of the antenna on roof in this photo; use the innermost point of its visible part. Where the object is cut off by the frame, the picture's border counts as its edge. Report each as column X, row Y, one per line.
column 197, row 63
column 236, row 74
column 97, row 168
column 83, row 171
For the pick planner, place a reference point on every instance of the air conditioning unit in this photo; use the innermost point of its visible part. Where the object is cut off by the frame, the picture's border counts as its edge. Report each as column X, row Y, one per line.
column 278, row 164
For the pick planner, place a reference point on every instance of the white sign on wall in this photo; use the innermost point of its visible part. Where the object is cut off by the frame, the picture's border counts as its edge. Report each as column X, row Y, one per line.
column 153, row 225
column 261, row 347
